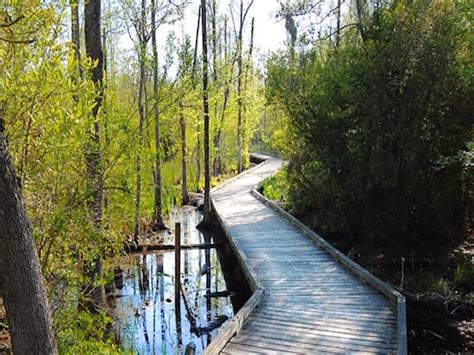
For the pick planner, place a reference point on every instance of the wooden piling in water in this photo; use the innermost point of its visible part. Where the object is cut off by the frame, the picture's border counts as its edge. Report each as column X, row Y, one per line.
column 177, row 272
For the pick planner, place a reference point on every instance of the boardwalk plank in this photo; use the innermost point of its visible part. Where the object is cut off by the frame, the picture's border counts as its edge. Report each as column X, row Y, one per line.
column 313, row 338
column 366, row 334
column 304, row 344
column 253, row 348
column 352, row 318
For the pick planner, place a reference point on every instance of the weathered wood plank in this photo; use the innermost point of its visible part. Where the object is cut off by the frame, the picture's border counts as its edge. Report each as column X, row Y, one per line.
column 364, row 335
column 252, row 349
column 344, row 317
column 351, row 314
column 303, row 344
column 311, row 339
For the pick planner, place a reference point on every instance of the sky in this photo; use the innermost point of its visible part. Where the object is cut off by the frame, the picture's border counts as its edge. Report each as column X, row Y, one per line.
column 269, row 34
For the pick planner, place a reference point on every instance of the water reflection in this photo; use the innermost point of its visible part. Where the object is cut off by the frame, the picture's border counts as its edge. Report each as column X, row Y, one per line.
column 147, row 320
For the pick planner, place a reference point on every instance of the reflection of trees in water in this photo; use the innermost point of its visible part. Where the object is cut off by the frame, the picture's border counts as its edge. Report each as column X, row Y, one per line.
column 160, row 263
column 144, row 279
column 201, row 295
column 207, row 257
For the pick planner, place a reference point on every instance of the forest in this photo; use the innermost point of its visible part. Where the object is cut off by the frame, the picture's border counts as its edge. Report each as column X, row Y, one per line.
column 127, row 124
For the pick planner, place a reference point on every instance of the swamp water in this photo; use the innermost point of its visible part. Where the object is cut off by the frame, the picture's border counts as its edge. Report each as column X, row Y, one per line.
column 147, row 320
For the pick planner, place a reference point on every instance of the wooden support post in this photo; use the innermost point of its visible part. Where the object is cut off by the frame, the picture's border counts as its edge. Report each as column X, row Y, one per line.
column 177, row 274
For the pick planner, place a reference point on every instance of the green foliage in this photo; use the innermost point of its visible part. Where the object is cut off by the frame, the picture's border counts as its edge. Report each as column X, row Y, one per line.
column 464, row 276
column 276, row 187
column 457, row 282
column 85, row 334
column 382, row 127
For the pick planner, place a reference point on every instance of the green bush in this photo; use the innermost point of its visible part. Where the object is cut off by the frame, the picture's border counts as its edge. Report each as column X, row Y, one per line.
column 276, row 187
column 382, row 126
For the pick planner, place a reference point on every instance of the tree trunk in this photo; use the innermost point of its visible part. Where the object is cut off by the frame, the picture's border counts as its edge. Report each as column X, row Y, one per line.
column 93, row 150
column 104, row 109
column 76, row 35
column 21, row 280
column 207, row 170
column 198, row 125
column 184, row 169
column 142, row 116
column 360, row 18
column 196, row 42
column 244, row 133
column 338, row 23
column 217, row 137
column 214, row 71
column 239, row 88
column 214, row 39
column 141, row 113
column 158, row 215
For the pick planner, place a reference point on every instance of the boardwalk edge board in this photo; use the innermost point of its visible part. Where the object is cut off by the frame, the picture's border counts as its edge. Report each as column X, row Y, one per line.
column 393, row 295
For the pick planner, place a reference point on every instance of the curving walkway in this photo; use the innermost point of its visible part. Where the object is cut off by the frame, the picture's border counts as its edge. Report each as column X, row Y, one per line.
column 312, row 303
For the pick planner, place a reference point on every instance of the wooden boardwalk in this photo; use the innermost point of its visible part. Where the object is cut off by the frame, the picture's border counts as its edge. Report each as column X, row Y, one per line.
column 308, row 301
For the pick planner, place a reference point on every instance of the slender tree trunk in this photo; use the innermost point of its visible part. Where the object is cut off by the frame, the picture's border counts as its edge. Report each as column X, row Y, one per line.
column 76, row 35
column 360, row 18
column 207, row 172
column 239, row 88
column 184, row 169
column 198, row 156
column 214, row 38
column 217, row 137
column 21, row 280
column 196, row 42
column 158, row 215
column 146, row 123
column 105, row 106
column 245, row 74
column 214, row 69
column 198, row 125
column 93, row 154
column 252, row 28
column 142, row 115
column 338, row 23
